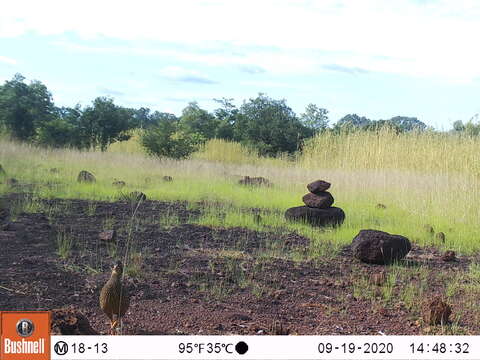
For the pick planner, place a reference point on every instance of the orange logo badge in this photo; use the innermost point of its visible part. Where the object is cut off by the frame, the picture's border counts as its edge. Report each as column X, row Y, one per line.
column 25, row 335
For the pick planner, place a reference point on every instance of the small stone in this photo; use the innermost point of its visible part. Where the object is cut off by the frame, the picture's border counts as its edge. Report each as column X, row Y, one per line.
column 255, row 181
column 436, row 312
column 70, row 321
column 449, row 256
column 108, row 235
column 167, row 178
column 318, row 186
column 381, row 206
column 119, row 184
column 440, row 236
column 85, row 177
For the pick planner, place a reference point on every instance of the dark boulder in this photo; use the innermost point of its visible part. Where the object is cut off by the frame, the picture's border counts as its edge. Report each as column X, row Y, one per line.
column 316, row 217
column 320, row 200
column 318, row 186
column 86, row 177
column 379, row 247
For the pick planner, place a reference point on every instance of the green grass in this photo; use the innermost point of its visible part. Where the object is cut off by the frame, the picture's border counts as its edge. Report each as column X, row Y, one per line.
column 444, row 197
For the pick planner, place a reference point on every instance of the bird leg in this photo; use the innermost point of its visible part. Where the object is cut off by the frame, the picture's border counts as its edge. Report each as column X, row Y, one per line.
column 113, row 326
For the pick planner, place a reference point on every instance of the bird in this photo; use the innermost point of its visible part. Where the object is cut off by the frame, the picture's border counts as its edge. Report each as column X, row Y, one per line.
column 114, row 299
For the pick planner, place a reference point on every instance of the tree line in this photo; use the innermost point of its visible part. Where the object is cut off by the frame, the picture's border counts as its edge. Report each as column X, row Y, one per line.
column 28, row 113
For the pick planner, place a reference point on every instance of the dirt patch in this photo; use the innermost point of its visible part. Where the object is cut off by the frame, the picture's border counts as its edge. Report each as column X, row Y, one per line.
column 190, row 279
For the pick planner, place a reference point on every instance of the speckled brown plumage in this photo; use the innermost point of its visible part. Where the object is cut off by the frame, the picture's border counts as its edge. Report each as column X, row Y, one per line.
column 114, row 299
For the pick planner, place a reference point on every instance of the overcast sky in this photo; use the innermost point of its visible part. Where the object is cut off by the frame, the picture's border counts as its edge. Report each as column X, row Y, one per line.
column 376, row 58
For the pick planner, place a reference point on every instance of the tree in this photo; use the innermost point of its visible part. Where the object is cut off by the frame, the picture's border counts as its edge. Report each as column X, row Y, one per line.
column 195, row 120
column 57, row 133
column 458, row 126
column 166, row 139
column 63, row 130
column 315, row 118
column 226, row 117
column 270, row 126
column 104, row 122
column 24, row 108
column 352, row 121
column 406, row 123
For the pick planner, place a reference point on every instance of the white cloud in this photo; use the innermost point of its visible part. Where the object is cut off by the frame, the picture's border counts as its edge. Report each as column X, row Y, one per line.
column 418, row 38
column 8, row 60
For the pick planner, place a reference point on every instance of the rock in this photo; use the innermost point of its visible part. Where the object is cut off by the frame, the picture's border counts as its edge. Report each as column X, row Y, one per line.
column 316, row 217
column 449, row 256
column 69, row 321
column 318, row 186
column 379, row 247
column 436, row 312
column 380, row 206
column 85, row 176
column 108, row 235
column 429, row 229
column 255, row 181
column 167, row 178
column 320, row 200
column 440, row 236
column 119, row 183
column 378, row 278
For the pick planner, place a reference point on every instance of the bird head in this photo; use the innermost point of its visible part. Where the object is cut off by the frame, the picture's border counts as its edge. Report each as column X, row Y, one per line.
column 118, row 268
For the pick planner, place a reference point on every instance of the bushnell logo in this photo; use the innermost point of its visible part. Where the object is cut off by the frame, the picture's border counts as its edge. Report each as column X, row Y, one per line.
column 25, row 335
column 25, row 327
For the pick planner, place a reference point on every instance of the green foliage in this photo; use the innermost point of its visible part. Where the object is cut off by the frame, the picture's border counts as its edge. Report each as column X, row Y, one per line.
column 195, row 120
column 24, row 108
column 353, row 122
column 103, row 123
column 56, row 133
column 168, row 140
column 315, row 118
column 226, row 116
column 270, row 126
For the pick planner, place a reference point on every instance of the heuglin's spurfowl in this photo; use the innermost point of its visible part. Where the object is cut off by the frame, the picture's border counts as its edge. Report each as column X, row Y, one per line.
column 114, row 299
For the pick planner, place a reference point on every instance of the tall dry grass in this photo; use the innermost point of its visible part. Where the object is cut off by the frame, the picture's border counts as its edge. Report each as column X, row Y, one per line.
column 421, row 152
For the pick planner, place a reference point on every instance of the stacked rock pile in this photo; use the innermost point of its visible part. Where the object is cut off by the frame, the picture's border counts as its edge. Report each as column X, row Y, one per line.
column 318, row 210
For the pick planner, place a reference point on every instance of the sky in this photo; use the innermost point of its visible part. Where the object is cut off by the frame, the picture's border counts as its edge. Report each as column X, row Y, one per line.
column 375, row 58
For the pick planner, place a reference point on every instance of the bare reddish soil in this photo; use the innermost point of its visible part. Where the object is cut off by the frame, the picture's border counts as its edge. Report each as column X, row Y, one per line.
column 191, row 279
